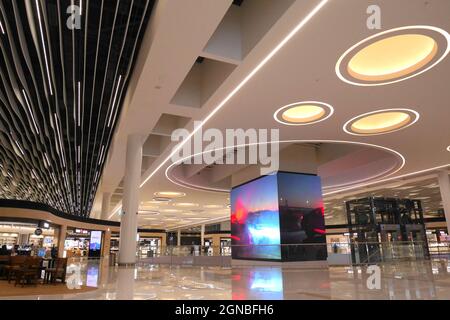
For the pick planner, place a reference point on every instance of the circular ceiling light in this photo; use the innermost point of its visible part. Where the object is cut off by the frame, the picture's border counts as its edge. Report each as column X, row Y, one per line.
column 448, row 148
column 303, row 113
column 393, row 55
column 185, row 205
column 170, row 194
column 381, row 122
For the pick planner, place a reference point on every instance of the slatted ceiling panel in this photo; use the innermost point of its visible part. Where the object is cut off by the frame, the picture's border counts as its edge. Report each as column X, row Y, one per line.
column 61, row 92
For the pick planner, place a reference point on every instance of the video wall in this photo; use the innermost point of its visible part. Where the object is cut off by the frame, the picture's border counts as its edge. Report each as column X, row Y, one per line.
column 279, row 217
column 255, row 223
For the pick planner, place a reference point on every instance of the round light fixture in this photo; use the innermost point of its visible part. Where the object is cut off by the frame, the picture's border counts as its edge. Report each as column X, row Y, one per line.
column 170, row 194
column 448, row 148
column 381, row 122
column 393, row 55
column 303, row 113
column 213, row 206
column 185, row 205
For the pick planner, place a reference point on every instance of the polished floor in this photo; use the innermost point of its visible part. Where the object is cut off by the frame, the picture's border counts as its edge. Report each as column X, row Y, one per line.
column 399, row 281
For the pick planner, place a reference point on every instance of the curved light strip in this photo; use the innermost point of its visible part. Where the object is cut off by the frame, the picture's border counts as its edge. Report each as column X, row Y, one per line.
column 348, row 124
column 438, row 30
column 260, row 65
column 446, row 166
column 278, row 114
column 194, row 187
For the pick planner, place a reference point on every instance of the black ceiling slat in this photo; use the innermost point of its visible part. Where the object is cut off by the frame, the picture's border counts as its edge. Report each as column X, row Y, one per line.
column 47, row 171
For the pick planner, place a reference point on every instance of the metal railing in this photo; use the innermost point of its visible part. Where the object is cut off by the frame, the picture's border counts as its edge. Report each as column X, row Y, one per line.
column 355, row 252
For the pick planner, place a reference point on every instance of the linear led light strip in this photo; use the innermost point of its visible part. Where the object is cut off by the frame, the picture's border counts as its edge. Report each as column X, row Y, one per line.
column 43, row 47
column 274, row 51
column 79, row 104
column 101, row 155
column 242, row 83
column 20, row 148
column 31, row 112
column 114, row 101
column 1, row 27
column 46, row 159
column 60, row 140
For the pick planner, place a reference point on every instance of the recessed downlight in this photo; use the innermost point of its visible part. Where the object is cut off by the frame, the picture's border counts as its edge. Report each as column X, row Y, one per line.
column 381, row 122
column 448, row 148
column 303, row 113
column 393, row 55
column 170, row 194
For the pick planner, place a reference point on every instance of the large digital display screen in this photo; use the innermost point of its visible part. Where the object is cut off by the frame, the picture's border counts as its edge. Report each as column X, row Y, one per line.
column 95, row 243
column 279, row 217
column 302, row 222
column 255, row 224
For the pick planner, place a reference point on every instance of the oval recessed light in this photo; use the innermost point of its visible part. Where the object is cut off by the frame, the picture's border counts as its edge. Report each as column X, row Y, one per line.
column 213, row 206
column 161, row 200
column 303, row 113
column 393, row 55
column 448, row 148
column 185, row 205
column 381, row 122
column 170, row 194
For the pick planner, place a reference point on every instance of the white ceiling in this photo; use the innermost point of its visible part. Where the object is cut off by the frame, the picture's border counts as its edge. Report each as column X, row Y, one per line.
column 302, row 70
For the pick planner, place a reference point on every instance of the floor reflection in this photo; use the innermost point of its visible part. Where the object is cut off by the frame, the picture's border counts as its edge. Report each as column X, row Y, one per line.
column 428, row 280
column 400, row 281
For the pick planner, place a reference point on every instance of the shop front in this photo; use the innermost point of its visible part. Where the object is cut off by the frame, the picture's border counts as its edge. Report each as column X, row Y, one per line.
column 28, row 238
column 83, row 243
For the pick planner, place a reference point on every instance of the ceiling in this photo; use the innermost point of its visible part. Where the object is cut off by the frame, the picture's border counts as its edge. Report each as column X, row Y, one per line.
column 426, row 190
column 61, row 90
column 250, row 69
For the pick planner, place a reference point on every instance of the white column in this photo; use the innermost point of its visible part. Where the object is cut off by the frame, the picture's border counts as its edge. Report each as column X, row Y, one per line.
column 202, row 235
column 105, row 205
column 179, row 238
column 444, row 185
column 130, row 202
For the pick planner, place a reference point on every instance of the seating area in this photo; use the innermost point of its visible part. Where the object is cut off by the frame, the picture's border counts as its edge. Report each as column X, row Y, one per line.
column 27, row 270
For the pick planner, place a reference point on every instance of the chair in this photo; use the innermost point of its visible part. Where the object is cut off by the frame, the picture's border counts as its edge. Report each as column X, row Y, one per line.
column 4, row 261
column 15, row 264
column 58, row 272
column 30, row 271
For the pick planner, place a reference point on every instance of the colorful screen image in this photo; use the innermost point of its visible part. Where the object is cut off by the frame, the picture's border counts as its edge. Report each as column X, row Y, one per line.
column 255, row 225
column 96, row 241
column 302, row 223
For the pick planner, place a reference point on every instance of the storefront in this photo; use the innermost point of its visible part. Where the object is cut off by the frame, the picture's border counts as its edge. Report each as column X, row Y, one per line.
column 83, row 243
column 25, row 237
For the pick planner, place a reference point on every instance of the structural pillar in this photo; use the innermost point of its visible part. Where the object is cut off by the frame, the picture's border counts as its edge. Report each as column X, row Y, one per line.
column 61, row 240
column 179, row 238
column 202, row 235
column 130, row 203
column 444, row 186
column 105, row 205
